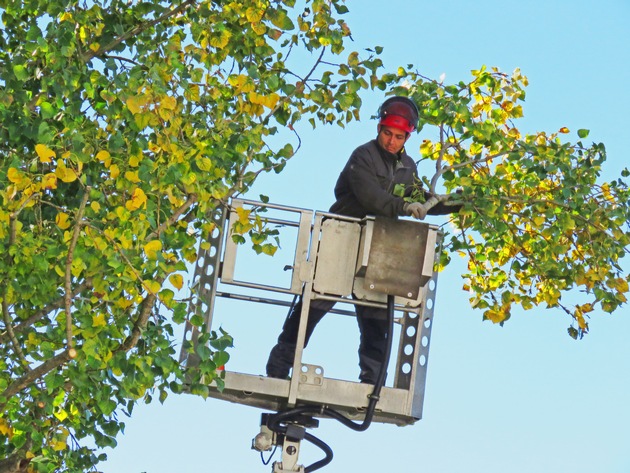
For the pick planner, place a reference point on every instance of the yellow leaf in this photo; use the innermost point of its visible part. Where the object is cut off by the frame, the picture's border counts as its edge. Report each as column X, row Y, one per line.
column 495, row 316
column 14, row 175
column 62, row 220
column 49, row 181
column 260, row 29
column 60, row 414
column 176, row 280
column 271, row 100
column 538, row 220
column 606, row 192
column 104, row 157
column 152, row 286
column 169, row 103
column 243, row 215
column 45, row 153
column 132, row 176
column 58, row 445
column 134, row 160
column 5, row 429
column 135, row 104
column 241, row 83
column 114, row 171
column 254, row 14
column 124, row 303
column 204, row 163
column 95, row 206
column 64, row 173
column 125, row 241
column 95, row 47
column 122, row 214
column 564, row 129
column 99, row 320
column 620, row 284
column 138, row 199
column 189, row 179
column 151, row 248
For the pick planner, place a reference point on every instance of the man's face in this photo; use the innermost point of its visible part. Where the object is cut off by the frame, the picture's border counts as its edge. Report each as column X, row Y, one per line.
column 391, row 139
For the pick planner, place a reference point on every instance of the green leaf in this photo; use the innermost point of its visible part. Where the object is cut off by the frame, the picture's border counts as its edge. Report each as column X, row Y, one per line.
column 47, row 110
column 20, row 72
column 583, row 133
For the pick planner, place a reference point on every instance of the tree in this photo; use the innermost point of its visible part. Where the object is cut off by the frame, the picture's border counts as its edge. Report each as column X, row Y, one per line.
column 536, row 222
column 124, row 125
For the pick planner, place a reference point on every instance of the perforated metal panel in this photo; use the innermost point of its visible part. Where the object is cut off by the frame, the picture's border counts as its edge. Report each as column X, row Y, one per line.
column 336, row 256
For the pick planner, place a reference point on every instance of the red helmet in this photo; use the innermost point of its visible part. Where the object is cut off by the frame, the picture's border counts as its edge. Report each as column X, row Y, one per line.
column 399, row 112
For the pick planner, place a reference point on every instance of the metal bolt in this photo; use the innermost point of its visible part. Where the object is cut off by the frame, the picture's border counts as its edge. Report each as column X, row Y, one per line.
column 409, row 294
column 371, row 286
column 291, row 450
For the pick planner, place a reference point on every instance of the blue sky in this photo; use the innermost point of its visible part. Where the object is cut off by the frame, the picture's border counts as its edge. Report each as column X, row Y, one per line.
column 519, row 398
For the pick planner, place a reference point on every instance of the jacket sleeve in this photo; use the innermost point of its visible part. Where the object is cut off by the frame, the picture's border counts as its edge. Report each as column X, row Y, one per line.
column 369, row 182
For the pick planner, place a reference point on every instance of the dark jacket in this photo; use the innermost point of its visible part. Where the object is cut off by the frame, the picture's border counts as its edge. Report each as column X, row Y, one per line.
column 366, row 183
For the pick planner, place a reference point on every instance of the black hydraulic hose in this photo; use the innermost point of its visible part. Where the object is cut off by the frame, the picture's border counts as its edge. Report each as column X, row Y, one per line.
column 323, row 446
column 276, row 419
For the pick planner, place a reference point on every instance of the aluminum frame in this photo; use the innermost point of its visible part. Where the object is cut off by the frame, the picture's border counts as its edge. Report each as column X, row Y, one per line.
column 319, row 234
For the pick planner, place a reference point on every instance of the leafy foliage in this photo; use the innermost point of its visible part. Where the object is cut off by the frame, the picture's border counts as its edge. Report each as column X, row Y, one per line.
column 124, row 125
column 536, row 221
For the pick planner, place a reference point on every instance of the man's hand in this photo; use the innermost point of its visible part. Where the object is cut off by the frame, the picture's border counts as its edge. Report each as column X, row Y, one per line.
column 416, row 210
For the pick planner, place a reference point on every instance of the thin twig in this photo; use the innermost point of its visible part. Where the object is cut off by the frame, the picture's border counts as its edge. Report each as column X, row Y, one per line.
column 192, row 198
column 15, row 215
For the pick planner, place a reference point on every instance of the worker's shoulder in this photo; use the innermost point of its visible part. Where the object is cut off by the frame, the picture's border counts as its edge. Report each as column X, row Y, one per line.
column 366, row 150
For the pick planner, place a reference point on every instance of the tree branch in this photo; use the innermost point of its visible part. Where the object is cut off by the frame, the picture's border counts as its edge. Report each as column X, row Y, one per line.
column 8, row 323
column 140, row 324
column 137, row 30
column 68, row 277
column 438, row 162
column 11, row 333
column 33, row 375
column 58, row 304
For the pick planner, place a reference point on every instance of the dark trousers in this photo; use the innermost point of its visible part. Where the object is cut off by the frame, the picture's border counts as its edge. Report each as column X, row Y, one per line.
column 372, row 326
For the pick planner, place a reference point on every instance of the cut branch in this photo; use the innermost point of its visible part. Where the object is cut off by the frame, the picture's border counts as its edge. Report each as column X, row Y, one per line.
column 435, row 199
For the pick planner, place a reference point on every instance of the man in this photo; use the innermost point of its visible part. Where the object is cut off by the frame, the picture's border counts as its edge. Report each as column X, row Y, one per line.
column 365, row 187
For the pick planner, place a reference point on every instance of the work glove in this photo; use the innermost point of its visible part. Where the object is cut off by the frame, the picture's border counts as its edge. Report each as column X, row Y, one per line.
column 415, row 209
